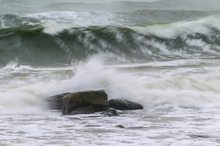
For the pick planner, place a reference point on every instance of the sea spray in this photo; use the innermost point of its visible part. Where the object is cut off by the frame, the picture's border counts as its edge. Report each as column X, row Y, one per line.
column 155, row 88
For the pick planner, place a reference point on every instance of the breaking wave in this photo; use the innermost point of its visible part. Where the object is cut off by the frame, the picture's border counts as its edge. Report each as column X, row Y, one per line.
column 31, row 40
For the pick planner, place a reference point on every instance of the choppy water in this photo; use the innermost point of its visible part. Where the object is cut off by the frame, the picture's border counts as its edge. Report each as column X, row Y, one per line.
column 167, row 59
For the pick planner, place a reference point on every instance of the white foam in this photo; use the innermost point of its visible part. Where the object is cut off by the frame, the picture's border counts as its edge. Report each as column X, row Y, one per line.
column 193, row 89
column 179, row 86
column 182, row 28
column 56, row 21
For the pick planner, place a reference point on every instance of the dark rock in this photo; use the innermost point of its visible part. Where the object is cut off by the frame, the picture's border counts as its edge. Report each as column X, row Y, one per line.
column 120, row 126
column 122, row 104
column 84, row 102
column 87, row 109
column 55, row 101
column 111, row 112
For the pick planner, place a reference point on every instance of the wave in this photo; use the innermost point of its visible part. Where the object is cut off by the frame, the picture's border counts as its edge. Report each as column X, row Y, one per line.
column 32, row 43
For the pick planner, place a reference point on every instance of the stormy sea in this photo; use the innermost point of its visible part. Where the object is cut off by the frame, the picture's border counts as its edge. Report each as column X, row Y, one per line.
column 163, row 54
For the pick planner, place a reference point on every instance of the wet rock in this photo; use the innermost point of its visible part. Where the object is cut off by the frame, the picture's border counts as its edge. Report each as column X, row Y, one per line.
column 84, row 102
column 110, row 112
column 54, row 101
column 87, row 109
column 122, row 104
column 119, row 126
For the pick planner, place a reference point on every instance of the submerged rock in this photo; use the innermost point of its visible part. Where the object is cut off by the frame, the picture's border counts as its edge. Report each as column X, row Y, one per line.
column 110, row 112
column 84, row 102
column 122, row 104
column 55, row 101
column 119, row 126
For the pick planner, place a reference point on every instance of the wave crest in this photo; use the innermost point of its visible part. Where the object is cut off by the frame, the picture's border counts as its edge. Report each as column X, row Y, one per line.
column 31, row 44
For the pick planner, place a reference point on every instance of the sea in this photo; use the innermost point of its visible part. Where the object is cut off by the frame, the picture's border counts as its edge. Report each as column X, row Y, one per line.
column 163, row 54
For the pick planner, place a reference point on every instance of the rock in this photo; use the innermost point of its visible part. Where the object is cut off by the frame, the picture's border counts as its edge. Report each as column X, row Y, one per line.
column 120, row 126
column 110, row 112
column 55, row 101
column 122, row 104
column 84, row 102
column 88, row 109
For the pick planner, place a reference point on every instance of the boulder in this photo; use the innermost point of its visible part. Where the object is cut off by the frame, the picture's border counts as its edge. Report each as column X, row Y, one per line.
column 122, row 104
column 84, row 102
column 54, row 101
